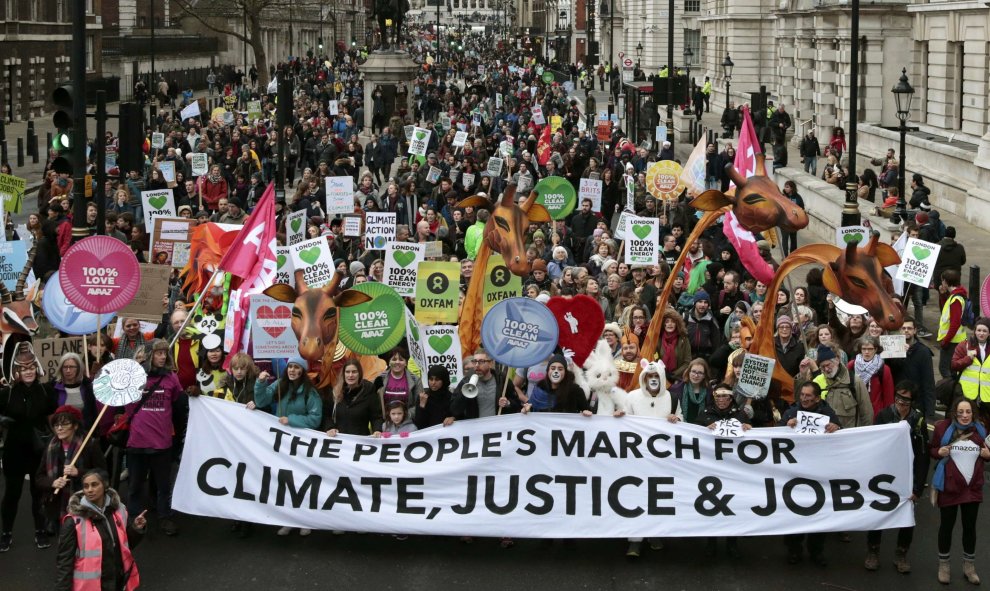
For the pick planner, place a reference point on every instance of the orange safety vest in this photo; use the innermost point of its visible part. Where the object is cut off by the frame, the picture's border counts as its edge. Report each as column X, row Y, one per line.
column 89, row 553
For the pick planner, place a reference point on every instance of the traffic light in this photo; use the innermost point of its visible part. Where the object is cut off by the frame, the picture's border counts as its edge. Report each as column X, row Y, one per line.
column 63, row 99
column 130, row 146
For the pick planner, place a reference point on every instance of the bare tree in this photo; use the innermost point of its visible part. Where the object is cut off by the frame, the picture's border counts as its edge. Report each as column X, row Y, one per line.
column 216, row 16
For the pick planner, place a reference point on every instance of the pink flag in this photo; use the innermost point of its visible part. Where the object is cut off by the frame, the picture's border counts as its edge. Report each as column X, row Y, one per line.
column 249, row 245
column 253, row 258
column 742, row 239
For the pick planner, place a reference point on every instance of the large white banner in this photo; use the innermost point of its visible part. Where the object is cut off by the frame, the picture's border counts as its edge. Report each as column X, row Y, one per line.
column 545, row 476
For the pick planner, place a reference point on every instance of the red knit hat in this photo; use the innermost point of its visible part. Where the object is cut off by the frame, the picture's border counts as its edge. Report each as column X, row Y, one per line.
column 72, row 411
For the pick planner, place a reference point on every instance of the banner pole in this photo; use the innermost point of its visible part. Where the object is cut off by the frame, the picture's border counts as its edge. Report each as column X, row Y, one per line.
column 189, row 316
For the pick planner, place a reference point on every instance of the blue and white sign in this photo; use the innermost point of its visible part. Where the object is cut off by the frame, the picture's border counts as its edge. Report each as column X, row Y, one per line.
column 518, row 330
column 64, row 315
column 13, row 255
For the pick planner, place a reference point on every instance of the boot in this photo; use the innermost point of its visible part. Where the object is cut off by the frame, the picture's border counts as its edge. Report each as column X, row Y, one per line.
column 901, row 561
column 944, row 572
column 633, row 550
column 969, row 571
column 872, row 558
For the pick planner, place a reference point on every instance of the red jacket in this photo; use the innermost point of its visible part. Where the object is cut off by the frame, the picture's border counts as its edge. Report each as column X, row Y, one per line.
column 212, row 192
column 956, row 490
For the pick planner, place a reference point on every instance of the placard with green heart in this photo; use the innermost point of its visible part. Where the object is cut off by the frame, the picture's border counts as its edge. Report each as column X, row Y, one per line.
column 440, row 344
column 280, row 259
column 158, row 201
column 296, row 223
column 921, row 253
column 641, row 231
column 852, row 238
column 376, row 326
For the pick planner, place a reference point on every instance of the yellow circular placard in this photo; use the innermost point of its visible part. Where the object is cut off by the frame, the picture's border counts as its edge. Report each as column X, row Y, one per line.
column 663, row 179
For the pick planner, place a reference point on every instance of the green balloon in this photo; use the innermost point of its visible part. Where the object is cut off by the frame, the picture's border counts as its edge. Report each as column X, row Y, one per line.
column 376, row 326
column 557, row 194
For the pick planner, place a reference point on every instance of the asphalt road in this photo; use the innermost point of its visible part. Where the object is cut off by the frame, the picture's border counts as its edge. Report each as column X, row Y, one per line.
column 205, row 555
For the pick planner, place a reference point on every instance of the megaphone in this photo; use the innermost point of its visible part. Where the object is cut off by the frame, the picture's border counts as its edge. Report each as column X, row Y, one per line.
column 470, row 389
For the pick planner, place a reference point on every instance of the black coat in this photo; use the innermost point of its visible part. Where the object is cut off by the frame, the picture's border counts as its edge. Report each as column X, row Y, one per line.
column 357, row 413
column 436, row 410
column 919, row 442
column 916, row 366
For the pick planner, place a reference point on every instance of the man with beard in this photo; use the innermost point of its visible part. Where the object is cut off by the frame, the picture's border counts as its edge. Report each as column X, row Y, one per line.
column 844, row 392
column 628, row 359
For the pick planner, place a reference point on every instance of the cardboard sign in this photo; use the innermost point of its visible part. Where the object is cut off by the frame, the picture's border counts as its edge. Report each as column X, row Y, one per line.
column 918, row 262
column 420, row 141
column 810, row 422
column 437, row 292
column 556, row 121
column 157, row 204
column 413, row 336
column 433, row 249
column 467, row 180
column 200, row 164
column 845, row 235
column 315, row 260
column 728, row 428
column 167, row 168
column 661, row 133
column 642, row 241
column 271, row 328
column 894, row 346
column 433, row 176
column 603, row 130
column 284, row 270
column 501, row 283
column 254, row 110
column 494, row 166
column 157, row 141
column 460, row 138
column 352, row 226
column 408, row 130
column 295, row 227
column 334, row 108
column 379, row 230
column 755, row 376
column 620, row 226
column 147, row 304
column 445, row 121
column 50, row 351
column 11, row 193
column 167, row 234
column 340, row 194
column 591, row 189
column 538, row 118
column 442, row 346
column 402, row 260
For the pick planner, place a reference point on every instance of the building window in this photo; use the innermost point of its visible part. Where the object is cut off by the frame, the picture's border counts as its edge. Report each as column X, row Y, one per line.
column 692, row 41
column 89, row 6
column 692, row 5
column 90, row 46
column 60, row 11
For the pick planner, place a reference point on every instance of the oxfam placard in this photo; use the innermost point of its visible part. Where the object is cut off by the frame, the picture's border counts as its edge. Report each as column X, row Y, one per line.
column 557, row 194
column 376, row 326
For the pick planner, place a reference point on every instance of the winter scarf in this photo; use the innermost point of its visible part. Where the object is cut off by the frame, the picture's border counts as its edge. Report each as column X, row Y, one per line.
column 867, row 369
column 938, row 478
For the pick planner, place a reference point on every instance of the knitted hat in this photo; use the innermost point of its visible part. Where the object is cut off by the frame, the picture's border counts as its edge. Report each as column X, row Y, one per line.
column 356, row 267
column 539, row 234
column 784, row 319
column 702, row 296
column 539, row 265
column 921, row 217
column 613, row 328
column 298, row 361
column 74, row 413
column 825, row 353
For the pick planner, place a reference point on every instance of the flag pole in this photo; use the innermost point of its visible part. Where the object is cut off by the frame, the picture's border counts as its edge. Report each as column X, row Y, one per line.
column 199, row 300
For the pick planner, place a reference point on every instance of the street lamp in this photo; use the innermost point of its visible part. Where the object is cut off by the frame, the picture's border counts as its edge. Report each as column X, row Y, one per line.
column 688, row 54
column 639, row 52
column 903, row 93
column 727, row 66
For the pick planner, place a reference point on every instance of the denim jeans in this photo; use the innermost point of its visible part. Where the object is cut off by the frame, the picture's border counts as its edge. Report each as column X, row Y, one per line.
column 811, row 165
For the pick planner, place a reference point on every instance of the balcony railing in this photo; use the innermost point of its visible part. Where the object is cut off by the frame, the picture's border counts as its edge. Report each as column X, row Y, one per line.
column 164, row 45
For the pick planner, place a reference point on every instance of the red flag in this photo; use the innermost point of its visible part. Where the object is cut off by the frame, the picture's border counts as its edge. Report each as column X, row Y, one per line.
column 254, row 250
column 543, row 151
column 258, row 231
column 742, row 239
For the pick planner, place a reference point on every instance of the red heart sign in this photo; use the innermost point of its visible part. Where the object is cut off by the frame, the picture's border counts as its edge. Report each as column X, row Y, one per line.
column 580, row 322
column 272, row 320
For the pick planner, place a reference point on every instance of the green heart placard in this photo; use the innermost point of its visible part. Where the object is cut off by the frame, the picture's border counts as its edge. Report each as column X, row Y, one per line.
column 296, row 224
column 420, row 135
column 403, row 257
column 852, row 238
column 557, row 194
column 281, row 260
column 310, row 255
column 158, row 202
column 440, row 344
column 920, row 253
column 641, row 231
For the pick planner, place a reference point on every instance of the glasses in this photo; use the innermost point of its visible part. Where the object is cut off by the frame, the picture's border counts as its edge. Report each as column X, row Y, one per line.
column 62, row 425
column 902, row 401
column 697, row 372
column 482, row 360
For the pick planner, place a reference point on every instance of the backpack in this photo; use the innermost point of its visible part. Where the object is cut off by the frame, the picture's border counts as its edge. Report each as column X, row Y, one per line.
column 968, row 315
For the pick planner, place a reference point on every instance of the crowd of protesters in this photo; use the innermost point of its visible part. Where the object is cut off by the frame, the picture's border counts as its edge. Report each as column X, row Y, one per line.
column 835, row 357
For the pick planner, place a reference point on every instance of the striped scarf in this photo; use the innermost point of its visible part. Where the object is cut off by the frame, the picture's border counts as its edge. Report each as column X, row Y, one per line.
column 126, row 350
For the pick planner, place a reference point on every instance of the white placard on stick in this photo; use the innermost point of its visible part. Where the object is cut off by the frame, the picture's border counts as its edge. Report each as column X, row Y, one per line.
column 495, row 166
column 591, row 189
column 538, row 117
column 894, row 346
column 460, row 138
column 352, row 226
column 420, row 141
column 642, row 241
column 379, row 230
column 157, row 204
column 845, row 235
column 340, row 194
column 284, row 270
column 295, row 227
column 918, row 262
column 314, row 258
column 755, row 376
column 401, row 264
column 200, row 164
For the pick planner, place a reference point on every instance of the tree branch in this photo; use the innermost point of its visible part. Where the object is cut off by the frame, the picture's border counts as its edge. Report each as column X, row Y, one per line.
column 188, row 9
